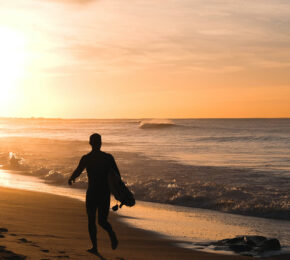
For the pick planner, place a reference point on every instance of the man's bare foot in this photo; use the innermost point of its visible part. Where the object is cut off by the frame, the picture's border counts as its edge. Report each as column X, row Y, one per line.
column 93, row 250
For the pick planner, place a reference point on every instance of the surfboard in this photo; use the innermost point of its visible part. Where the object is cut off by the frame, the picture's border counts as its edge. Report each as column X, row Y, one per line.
column 119, row 190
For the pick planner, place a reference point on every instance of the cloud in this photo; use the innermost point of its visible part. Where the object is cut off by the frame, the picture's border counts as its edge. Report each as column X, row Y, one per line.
column 80, row 2
column 215, row 36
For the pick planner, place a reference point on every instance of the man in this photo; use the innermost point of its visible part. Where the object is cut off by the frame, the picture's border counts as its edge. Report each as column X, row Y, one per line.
column 97, row 164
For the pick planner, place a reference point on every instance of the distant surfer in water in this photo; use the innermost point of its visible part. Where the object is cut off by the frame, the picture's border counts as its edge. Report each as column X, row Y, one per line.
column 97, row 165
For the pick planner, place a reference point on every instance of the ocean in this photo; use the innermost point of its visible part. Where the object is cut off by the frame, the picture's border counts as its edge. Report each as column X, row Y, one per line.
column 232, row 165
column 215, row 166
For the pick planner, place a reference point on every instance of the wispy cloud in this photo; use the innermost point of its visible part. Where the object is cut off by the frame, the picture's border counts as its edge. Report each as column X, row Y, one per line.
column 225, row 36
column 80, row 2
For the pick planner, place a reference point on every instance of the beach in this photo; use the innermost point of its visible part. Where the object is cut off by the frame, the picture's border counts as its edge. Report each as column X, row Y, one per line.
column 45, row 226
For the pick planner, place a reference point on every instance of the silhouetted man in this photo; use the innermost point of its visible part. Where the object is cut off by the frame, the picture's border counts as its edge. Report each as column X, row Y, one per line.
column 97, row 165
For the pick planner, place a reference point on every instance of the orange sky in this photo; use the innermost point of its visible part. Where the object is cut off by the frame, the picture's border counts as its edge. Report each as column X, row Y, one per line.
column 144, row 58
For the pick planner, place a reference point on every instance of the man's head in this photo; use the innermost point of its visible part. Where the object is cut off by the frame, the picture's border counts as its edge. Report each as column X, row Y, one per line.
column 96, row 141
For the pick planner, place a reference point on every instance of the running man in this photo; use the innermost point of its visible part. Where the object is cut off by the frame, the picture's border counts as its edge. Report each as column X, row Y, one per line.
column 97, row 164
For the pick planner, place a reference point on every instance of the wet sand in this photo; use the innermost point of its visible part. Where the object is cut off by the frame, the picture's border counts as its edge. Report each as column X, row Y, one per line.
column 44, row 226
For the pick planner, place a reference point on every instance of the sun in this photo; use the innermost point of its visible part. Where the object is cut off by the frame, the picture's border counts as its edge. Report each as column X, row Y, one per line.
column 13, row 54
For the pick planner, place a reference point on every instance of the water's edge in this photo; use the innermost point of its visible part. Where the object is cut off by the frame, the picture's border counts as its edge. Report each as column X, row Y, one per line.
column 191, row 225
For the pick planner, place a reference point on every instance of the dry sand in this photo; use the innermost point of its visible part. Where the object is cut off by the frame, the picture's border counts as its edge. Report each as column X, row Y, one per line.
column 44, row 226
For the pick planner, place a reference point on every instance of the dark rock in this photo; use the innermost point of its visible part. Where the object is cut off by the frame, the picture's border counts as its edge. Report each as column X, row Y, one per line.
column 247, row 245
column 230, row 241
column 226, row 242
column 240, row 248
column 239, row 239
column 271, row 244
column 255, row 241
column 220, row 242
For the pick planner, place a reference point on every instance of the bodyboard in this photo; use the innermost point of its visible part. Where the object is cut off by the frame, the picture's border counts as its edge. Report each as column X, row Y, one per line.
column 119, row 190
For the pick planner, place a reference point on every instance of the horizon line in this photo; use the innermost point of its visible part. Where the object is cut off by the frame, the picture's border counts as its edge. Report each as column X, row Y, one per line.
column 137, row 118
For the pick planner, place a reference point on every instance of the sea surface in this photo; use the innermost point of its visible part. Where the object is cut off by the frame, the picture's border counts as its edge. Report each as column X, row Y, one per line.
column 195, row 180
column 238, row 166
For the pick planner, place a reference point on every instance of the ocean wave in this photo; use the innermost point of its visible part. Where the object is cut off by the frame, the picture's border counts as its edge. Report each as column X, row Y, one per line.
column 211, row 196
column 246, row 138
column 199, row 194
column 156, row 124
column 241, row 191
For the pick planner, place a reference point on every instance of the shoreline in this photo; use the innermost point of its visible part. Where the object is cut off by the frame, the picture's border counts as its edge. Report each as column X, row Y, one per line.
column 42, row 226
column 182, row 226
column 197, row 186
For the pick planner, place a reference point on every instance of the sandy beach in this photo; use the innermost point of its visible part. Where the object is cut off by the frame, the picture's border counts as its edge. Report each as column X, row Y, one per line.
column 44, row 226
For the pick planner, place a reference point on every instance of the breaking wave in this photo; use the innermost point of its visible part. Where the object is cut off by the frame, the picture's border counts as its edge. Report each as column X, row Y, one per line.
column 207, row 195
column 241, row 192
column 156, row 124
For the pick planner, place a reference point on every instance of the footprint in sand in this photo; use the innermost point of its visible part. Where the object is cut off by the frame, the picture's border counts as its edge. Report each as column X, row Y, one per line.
column 24, row 240
column 6, row 254
column 3, row 230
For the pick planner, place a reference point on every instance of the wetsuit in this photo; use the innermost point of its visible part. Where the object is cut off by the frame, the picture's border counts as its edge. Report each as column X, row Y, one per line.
column 97, row 165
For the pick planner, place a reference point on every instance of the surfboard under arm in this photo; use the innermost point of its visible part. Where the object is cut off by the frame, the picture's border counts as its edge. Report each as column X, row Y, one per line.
column 119, row 190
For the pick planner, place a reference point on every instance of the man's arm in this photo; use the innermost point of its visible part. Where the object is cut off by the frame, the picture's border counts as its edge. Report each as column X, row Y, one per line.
column 77, row 172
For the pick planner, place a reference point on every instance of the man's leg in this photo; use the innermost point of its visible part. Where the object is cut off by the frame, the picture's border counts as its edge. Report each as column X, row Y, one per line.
column 91, row 211
column 103, row 212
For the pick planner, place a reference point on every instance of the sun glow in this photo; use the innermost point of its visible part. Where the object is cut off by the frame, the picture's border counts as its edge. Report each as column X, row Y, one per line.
column 13, row 55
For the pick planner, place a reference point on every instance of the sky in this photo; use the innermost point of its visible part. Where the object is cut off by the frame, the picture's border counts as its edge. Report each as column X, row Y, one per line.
column 145, row 58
